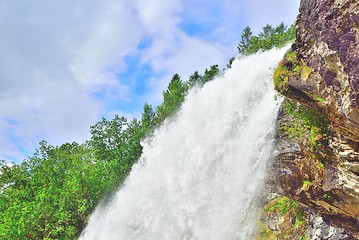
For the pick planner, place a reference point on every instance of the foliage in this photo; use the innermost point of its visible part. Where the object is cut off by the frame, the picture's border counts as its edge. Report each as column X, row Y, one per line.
column 308, row 125
column 319, row 99
column 327, row 197
column 172, row 98
column 209, row 74
column 281, row 207
column 147, row 119
column 290, row 66
column 194, row 79
column 116, row 144
column 282, row 204
column 306, row 184
column 267, row 39
column 51, row 194
column 280, row 76
column 230, row 61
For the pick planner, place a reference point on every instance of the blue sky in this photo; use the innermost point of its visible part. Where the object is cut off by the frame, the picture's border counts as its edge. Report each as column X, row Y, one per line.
column 65, row 64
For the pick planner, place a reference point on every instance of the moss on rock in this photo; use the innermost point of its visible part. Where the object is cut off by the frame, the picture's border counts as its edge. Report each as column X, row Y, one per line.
column 283, row 218
column 306, row 124
column 290, row 67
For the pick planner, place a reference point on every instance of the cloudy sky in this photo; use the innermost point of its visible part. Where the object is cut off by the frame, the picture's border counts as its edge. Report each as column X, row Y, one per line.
column 66, row 63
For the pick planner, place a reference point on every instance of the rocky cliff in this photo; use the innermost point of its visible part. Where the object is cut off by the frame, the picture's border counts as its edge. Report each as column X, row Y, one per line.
column 318, row 125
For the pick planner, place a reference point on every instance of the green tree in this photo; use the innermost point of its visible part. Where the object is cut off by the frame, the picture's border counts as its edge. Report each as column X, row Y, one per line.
column 172, row 98
column 245, row 39
column 194, row 79
column 107, row 137
column 290, row 33
column 116, row 143
column 51, row 194
column 267, row 32
column 267, row 39
column 278, row 36
column 210, row 74
column 148, row 118
column 230, row 62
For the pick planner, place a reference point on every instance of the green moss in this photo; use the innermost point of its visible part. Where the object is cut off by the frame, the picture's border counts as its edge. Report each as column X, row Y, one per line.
column 291, row 56
column 305, row 71
column 318, row 98
column 297, row 69
column 289, row 209
column 307, row 125
column 327, row 197
column 321, row 165
column 306, row 184
column 264, row 232
column 299, row 218
column 290, row 66
column 282, row 204
column 280, row 77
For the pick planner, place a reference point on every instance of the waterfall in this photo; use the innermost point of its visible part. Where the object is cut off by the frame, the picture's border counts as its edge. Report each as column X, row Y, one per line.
column 202, row 172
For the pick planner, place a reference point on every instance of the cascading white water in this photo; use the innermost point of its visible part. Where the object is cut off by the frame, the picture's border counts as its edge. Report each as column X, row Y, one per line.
column 201, row 175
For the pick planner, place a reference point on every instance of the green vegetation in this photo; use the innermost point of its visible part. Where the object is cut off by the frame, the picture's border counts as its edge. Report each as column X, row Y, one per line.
column 280, row 76
column 319, row 99
column 209, row 74
column 282, row 205
column 267, row 39
column 309, row 126
column 321, row 165
column 290, row 66
column 51, row 194
column 327, row 197
column 173, row 97
column 115, row 144
column 306, row 184
column 278, row 209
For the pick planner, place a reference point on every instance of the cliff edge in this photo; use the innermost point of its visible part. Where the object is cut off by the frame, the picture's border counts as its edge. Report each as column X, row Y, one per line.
column 318, row 125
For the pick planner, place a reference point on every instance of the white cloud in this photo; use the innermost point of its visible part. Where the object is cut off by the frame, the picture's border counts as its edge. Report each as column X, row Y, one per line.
column 260, row 12
column 158, row 16
column 182, row 54
column 53, row 55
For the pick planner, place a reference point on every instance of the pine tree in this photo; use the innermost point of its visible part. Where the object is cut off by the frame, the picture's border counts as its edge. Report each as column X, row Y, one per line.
column 245, row 40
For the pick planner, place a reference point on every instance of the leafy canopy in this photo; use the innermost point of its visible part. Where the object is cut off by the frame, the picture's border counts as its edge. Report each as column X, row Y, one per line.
column 267, row 39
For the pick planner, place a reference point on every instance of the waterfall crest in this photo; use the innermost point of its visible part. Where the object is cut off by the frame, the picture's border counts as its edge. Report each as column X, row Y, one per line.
column 202, row 172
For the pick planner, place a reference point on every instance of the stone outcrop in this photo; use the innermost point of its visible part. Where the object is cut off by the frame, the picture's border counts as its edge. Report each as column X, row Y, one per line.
column 283, row 218
column 318, row 164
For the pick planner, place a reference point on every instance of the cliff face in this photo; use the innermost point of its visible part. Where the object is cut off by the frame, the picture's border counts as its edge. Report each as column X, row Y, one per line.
column 318, row 126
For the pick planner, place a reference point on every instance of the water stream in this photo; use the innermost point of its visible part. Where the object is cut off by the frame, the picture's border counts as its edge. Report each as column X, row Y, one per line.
column 202, row 173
